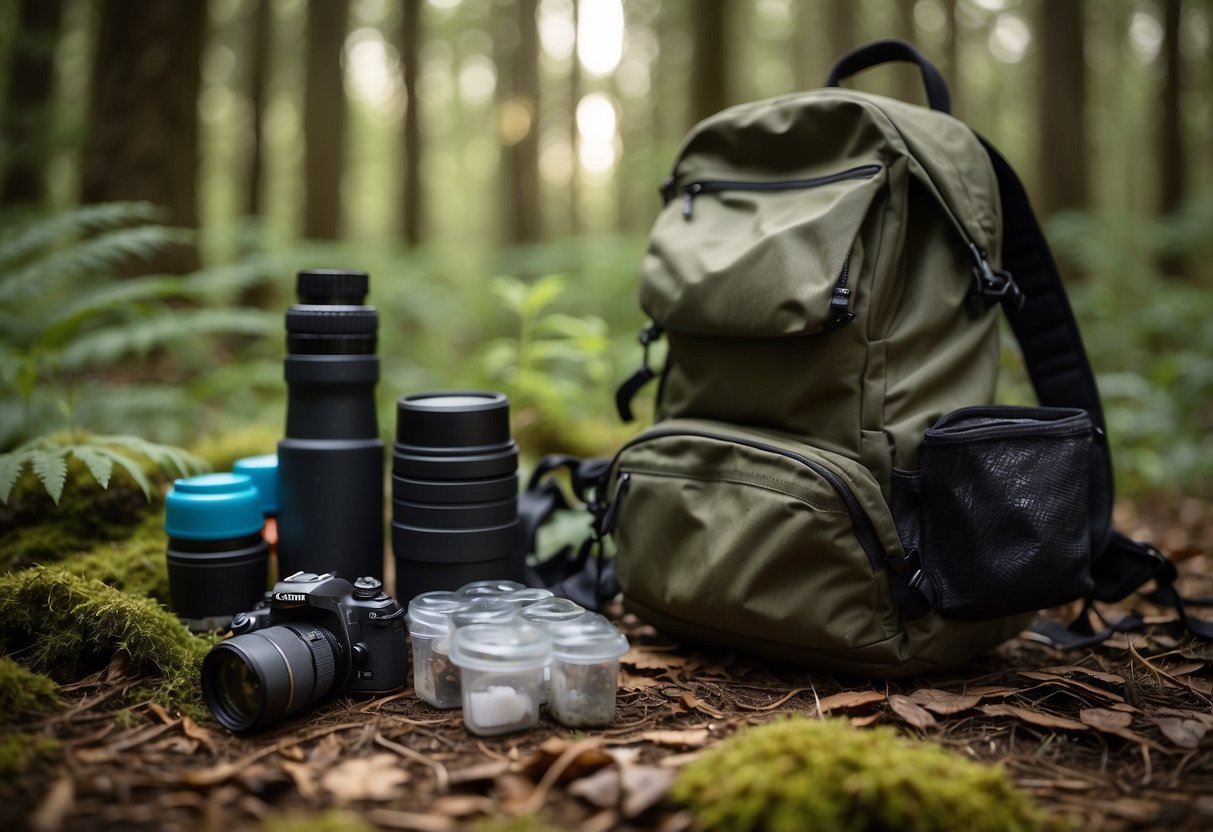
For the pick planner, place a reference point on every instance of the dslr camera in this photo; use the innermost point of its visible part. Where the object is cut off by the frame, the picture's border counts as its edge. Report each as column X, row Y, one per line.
column 314, row 636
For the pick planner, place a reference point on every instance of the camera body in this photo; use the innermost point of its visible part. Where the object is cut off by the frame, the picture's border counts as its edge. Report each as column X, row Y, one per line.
column 313, row 637
column 367, row 623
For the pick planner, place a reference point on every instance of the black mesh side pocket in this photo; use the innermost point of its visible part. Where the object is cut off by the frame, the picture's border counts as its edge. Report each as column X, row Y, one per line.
column 1004, row 509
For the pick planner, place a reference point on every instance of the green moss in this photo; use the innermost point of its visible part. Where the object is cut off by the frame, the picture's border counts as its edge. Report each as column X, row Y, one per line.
column 221, row 450
column 24, row 692
column 67, row 625
column 20, row 753
column 799, row 773
column 136, row 565
column 35, row 530
column 330, row 820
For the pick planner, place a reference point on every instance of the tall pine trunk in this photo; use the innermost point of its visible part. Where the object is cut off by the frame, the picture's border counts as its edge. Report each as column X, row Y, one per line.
column 142, row 140
column 518, row 111
column 710, row 59
column 1062, row 176
column 324, row 118
column 27, row 106
column 259, row 40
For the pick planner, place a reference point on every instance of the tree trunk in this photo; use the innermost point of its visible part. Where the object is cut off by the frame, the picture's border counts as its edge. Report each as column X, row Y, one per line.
column 574, row 130
column 259, row 41
column 518, row 113
column 410, row 55
column 27, row 107
column 840, row 22
column 1062, row 176
column 142, row 140
column 710, row 59
column 909, row 79
column 324, row 118
column 1171, row 145
column 951, row 54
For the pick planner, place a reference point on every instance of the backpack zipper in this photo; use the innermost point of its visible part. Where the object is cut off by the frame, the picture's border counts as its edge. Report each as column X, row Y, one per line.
column 865, row 533
column 693, row 189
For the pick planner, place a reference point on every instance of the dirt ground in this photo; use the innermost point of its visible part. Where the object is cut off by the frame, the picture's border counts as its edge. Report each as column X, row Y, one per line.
column 1114, row 737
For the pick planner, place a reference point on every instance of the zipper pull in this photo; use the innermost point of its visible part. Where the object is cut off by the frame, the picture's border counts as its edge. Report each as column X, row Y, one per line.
column 688, row 198
column 667, row 189
column 611, row 516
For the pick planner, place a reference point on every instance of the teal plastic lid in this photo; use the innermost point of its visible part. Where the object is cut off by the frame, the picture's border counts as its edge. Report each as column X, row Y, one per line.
column 263, row 471
column 212, row 507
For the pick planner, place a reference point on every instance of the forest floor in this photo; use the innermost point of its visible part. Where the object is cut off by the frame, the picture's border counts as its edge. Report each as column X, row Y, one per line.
column 1113, row 737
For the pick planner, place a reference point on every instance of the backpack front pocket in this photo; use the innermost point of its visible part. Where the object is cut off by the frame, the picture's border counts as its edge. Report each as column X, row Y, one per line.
column 1000, row 510
column 751, row 533
column 759, row 257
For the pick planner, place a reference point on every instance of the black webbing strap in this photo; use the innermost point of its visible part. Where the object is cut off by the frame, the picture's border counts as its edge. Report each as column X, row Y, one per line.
column 888, row 51
column 1061, row 374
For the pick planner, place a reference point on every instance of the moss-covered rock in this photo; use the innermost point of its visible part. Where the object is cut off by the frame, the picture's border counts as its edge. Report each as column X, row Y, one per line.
column 136, row 565
column 798, row 773
column 67, row 625
column 35, row 530
column 23, row 692
column 20, row 753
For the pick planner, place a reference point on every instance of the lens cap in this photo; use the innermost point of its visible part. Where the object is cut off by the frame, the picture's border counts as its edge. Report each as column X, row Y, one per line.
column 453, row 419
column 332, row 286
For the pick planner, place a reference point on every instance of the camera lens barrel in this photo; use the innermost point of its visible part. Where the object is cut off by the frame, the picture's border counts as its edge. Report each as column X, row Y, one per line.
column 330, row 462
column 216, row 556
column 454, row 491
column 255, row 679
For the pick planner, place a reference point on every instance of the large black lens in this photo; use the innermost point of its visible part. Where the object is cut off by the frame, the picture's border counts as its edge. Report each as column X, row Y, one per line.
column 330, row 463
column 255, row 679
column 455, row 492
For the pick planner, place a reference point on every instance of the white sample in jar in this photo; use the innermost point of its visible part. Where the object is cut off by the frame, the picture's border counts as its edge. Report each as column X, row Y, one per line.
column 585, row 670
column 435, row 679
column 545, row 613
column 500, row 665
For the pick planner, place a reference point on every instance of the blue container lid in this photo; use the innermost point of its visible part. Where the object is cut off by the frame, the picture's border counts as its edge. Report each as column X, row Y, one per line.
column 212, row 507
column 263, row 471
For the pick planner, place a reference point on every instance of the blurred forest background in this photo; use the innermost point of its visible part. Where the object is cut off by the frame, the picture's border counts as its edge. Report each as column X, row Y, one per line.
column 494, row 166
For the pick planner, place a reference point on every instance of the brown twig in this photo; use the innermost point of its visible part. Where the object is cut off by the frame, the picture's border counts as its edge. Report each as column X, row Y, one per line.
column 441, row 776
column 217, row 774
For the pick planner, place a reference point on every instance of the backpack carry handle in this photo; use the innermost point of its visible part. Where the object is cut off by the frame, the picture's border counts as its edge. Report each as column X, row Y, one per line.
column 886, row 51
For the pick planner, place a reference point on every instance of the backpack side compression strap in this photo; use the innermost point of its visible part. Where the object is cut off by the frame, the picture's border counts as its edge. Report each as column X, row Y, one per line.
column 1061, row 374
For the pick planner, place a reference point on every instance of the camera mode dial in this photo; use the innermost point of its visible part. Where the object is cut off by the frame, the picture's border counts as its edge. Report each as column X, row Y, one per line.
column 367, row 588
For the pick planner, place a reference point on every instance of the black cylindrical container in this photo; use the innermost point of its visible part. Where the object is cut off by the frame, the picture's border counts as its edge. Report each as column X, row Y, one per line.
column 330, row 463
column 454, row 492
column 216, row 554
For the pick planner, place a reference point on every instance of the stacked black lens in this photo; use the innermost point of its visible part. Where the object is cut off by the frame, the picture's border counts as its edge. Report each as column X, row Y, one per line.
column 454, row 492
column 330, row 463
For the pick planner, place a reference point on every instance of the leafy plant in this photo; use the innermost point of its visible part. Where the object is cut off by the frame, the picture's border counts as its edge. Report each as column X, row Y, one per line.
column 70, row 324
column 47, row 458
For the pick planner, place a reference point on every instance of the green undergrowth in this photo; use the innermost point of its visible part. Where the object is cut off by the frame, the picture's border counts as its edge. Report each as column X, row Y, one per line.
column 21, row 753
column 330, row 820
column 67, row 626
column 33, row 529
column 221, row 449
column 798, row 773
column 23, row 692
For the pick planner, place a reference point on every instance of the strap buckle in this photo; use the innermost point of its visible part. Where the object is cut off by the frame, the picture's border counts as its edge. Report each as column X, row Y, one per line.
column 991, row 286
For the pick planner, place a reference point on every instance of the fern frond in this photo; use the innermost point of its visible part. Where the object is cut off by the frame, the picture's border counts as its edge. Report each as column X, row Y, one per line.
column 221, row 283
column 131, row 467
column 108, row 344
column 164, row 456
column 95, row 257
column 98, row 464
column 25, row 240
column 11, row 464
column 50, row 466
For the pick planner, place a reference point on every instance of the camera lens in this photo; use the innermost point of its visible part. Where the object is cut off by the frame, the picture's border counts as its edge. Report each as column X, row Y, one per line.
column 330, row 463
column 255, row 679
column 454, row 491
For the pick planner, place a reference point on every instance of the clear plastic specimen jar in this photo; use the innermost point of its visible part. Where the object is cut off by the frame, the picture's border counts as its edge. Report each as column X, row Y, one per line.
column 528, row 595
column 487, row 589
column 547, row 612
column 585, row 670
column 483, row 611
column 435, row 679
column 500, row 667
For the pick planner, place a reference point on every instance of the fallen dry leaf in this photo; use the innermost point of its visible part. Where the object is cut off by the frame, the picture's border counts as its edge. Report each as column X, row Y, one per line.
column 304, row 777
column 1073, row 684
column 643, row 658
column 944, row 703
column 601, row 788
column 1098, row 675
column 1037, row 718
column 1185, row 733
column 462, row 805
column 849, row 699
column 196, row 732
column 693, row 703
column 643, row 787
column 55, row 806
column 377, row 777
column 689, row 738
column 639, row 682
column 589, row 758
column 913, row 713
column 481, row 771
column 865, row 721
column 1103, row 719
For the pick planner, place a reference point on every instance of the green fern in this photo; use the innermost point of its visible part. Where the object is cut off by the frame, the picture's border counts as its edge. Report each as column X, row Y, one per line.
column 47, row 458
column 21, row 241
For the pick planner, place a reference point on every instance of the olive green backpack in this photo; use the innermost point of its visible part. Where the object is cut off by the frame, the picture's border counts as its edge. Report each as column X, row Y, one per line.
column 827, row 481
